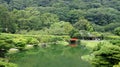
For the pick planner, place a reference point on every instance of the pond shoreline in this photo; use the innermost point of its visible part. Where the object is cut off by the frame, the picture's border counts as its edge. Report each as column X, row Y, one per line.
column 54, row 56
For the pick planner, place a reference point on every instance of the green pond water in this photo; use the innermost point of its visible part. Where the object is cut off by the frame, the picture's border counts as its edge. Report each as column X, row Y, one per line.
column 57, row 56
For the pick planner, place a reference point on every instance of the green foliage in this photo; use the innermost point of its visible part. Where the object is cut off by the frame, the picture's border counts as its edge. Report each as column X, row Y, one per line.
column 98, row 28
column 20, row 42
column 115, row 42
column 7, row 23
column 111, row 37
column 6, row 64
column 74, row 15
column 74, row 32
column 55, row 39
column 60, row 28
column 117, row 65
column 17, row 16
column 105, row 55
column 27, row 19
column 5, row 44
column 114, row 4
column 52, row 38
column 83, row 24
column 117, row 31
column 47, row 19
column 31, row 40
column 110, row 27
column 103, row 16
column 98, row 34
column 32, row 19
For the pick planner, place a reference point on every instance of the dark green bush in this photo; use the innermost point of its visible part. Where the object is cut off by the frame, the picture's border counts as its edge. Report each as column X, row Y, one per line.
column 4, row 47
column 20, row 42
column 10, row 41
column 115, row 42
column 20, row 45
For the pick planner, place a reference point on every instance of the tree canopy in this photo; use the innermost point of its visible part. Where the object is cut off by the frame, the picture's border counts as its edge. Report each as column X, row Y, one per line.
column 17, row 15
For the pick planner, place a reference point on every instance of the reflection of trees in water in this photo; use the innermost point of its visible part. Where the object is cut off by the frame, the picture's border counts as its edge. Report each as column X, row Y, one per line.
column 54, row 57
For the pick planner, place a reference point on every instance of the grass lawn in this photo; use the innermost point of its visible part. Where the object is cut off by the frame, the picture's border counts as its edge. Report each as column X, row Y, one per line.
column 92, row 43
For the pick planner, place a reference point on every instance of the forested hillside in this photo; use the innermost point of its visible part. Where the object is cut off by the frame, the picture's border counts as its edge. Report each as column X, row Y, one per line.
column 53, row 16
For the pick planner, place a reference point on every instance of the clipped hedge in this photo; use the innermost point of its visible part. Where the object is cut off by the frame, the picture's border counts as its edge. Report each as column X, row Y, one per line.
column 51, row 38
column 112, row 37
column 20, row 41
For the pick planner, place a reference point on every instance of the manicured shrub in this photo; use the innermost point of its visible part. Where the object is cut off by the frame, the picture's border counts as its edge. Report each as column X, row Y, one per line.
column 32, row 40
column 51, row 38
column 55, row 38
column 20, row 42
column 105, row 55
column 112, row 37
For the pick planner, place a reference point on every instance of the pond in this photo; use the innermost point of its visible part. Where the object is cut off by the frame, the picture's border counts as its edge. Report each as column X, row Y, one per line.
column 55, row 56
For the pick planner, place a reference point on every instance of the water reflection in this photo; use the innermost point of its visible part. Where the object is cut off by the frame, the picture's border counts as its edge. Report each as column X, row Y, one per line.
column 57, row 56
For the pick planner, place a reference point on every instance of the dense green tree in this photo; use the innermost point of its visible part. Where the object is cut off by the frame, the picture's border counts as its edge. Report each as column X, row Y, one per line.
column 98, row 28
column 27, row 19
column 83, row 24
column 110, row 27
column 103, row 16
column 21, row 4
column 74, row 32
column 32, row 14
column 32, row 19
column 61, row 12
column 94, row 5
column 47, row 19
column 74, row 15
column 60, row 28
column 7, row 22
column 112, row 3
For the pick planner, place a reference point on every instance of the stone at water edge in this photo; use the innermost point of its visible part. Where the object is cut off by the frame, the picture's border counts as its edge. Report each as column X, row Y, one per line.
column 13, row 50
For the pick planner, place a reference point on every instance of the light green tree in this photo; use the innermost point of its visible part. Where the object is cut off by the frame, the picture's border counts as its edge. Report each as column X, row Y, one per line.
column 60, row 28
column 83, row 24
